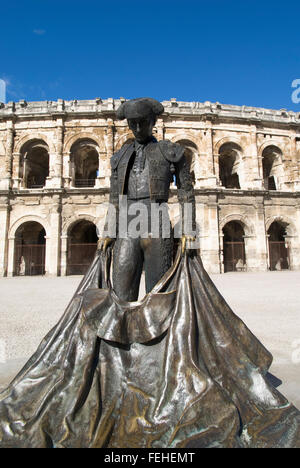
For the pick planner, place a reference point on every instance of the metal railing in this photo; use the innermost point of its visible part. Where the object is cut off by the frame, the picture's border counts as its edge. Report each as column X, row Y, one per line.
column 234, row 256
column 84, row 183
column 79, row 258
column 31, row 186
column 279, row 256
column 30, row 260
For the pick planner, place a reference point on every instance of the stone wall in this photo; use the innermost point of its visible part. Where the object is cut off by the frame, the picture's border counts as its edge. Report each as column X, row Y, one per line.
column 213, row 135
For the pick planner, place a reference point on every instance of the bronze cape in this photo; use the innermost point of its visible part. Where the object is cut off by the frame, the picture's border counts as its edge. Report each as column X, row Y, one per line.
column 178, row 369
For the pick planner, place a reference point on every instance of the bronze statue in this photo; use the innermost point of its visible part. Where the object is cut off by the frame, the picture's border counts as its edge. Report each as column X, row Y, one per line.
column 143, row 170
column 177, row 369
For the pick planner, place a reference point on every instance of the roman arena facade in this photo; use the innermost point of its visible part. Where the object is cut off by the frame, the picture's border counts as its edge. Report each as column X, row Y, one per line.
column 55, row 170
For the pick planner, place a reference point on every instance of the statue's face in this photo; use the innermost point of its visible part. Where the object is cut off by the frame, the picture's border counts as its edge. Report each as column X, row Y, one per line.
column 142, row 128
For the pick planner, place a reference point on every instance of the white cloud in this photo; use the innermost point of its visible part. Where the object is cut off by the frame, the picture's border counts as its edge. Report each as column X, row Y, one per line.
column 39, row 32
column 2, row 93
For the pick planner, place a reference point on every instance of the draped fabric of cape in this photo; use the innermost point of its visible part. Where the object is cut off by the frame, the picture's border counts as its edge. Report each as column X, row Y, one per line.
column 177, row 369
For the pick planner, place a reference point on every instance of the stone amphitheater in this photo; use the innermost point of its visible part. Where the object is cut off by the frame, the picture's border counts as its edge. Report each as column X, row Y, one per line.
column 55, row 173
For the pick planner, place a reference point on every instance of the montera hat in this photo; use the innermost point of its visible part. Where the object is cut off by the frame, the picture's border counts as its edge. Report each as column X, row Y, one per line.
column 139, row 108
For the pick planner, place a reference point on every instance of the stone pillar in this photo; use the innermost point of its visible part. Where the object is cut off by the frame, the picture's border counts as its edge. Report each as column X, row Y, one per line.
column 22, row 182
column 6, row 182
column 11, row 256
column 296, row 240
column 53, row 265
column 56, row 159
column 67, row 171
column 267, row 236
column 292, row 244
column 64, row 252
column 110, row 133
column 295, row 167
column 47, row 255
column 252, row 262
column 212, row 175
column 102, row 180
column 260, row 246
column 17, row 181
column 257, row 177
column 4, row 226
column 160, row 129
column 50, row 178
column 285, row 178
column 59, row 155
column 221, row 252
column 209, row 233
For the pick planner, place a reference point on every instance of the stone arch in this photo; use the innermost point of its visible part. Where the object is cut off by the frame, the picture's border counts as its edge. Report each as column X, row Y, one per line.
column 188, row 136
column 28, row 218
column 272, row 166
column 29, row 247
column 82, row 241
column 233, row 245
column 34, row 163
column 190, row 144
column 230, row 164
column 243, row 220
column 73, row 139
column 192, row 155
column 83, row 222
column 84, row 162
column 280, row 251
column 270, row 142
column 228, row 140
column 70, row 222
column 127, row 137
column 291, row 229
column 32, row 137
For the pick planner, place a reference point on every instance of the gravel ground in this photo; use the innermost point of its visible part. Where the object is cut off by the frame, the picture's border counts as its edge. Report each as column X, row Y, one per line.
column 269, row 303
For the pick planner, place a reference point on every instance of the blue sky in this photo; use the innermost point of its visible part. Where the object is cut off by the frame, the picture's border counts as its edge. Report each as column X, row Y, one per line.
column 233, row 52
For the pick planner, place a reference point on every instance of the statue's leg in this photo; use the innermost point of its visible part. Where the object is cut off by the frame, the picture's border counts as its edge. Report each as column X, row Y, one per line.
column 127, row 268
column 158, row 258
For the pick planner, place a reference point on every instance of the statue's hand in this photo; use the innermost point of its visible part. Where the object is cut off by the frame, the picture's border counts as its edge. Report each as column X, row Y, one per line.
column 185, row 241
column 104, row 243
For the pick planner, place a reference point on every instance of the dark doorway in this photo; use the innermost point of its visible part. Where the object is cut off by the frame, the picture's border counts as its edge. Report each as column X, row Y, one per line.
column 272, row 166
column 85, row 163
column 278, row 252
column 229, row 157
column 191, row 155
column 30, row 249
column 34, row 167
column 234, row 247
column 82, row 246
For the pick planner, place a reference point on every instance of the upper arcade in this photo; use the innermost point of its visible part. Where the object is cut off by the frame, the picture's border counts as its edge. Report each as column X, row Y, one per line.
column 109, row 106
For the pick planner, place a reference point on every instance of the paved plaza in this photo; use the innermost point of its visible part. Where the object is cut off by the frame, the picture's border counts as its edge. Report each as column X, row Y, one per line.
column 269, row 303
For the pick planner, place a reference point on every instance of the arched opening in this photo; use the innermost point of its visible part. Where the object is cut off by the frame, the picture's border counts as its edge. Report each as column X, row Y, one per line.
column 234, row 247
column 30, row 248
column 82, row 246
column 191, row 154
column 84, row 158
column 34, row 165
column 272, row 167
column 229, row 165
column 278, row 251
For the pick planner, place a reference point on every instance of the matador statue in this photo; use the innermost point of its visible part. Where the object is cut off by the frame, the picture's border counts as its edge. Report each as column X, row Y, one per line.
column 177, row 369
column 143, row 171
